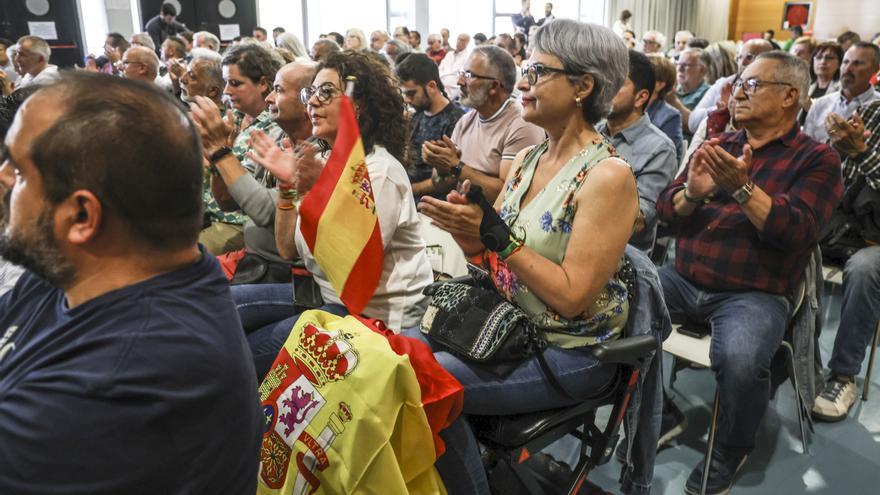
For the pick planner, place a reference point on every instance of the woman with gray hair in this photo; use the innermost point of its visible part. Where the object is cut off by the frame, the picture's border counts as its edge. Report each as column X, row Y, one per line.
column 569, row 207
column 290, row 42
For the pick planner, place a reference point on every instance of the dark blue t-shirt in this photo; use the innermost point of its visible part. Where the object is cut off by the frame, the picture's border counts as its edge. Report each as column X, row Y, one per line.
column 147, row 389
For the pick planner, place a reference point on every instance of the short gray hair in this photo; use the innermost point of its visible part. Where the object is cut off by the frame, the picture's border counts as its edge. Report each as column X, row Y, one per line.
column 792, row 70
column 143, row 39
column 212, row 41
column 588, row 49
column 211, row 60
column 659, row 37
column 702, row 55
column 500, row 63
column 36, row 45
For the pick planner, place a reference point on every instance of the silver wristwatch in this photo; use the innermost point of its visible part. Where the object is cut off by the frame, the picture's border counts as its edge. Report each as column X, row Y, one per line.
column 743, row 194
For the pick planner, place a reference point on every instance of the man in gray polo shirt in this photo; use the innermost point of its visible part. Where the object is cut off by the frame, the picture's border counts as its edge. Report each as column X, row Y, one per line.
column 649, row 152
column 486, row 140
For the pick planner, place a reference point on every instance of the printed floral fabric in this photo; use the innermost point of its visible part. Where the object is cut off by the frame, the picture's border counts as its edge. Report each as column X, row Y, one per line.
column 545, row 225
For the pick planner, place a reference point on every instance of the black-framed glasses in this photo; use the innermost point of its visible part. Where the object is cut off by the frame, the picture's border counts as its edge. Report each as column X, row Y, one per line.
column 750, row 86
column 324, row 93
column 470, row 75
column 534, row 71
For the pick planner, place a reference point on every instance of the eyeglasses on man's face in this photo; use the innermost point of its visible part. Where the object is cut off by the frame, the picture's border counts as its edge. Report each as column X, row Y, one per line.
column 324, row 93
column 469, row 76
column 750, row 86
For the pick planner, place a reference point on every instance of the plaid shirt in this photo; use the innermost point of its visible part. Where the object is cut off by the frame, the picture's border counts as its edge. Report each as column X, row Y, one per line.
column 718, row 248
column 867, row 163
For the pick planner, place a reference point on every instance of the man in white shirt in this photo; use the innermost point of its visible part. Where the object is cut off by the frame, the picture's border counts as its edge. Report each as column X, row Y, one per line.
column 860, row 62
column 452, row 63
column 32, row 57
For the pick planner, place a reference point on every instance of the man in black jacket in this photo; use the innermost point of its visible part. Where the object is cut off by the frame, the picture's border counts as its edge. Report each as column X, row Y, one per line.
column 164, row 25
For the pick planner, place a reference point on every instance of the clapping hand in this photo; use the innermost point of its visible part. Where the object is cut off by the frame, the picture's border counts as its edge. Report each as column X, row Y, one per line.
column 441, row 154
column 457, row 216
column 725, row 170
column 216, row 132
column 847, row 136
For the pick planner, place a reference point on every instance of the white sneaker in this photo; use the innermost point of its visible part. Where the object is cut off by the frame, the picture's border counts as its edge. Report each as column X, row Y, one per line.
column 834, row 402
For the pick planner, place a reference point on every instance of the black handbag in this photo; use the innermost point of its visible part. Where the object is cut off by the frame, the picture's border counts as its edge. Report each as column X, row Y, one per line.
column 479, row 325
column 254, row 269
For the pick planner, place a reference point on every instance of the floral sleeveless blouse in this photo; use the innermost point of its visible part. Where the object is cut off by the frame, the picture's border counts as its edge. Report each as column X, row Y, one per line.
column 544, row 225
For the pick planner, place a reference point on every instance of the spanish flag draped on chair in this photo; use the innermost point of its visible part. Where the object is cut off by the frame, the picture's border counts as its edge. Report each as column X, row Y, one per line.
column 339, row 221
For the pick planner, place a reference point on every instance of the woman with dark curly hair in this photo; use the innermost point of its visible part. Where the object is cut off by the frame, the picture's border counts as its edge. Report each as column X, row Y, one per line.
column 398, row 299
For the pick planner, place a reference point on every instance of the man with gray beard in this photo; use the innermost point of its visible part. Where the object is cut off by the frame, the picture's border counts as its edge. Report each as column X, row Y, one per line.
column 486, row 140
column 223, row 231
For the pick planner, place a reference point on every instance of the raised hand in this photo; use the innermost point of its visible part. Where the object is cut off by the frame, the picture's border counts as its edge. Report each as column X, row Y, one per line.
column 442, row 155
column 279, row 162
column 216, row 132
column 848, row 137
column 729, row 172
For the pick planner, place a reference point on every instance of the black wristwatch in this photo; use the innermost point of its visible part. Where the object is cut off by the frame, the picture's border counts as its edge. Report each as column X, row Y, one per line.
column 219, row 155
column 456, row 169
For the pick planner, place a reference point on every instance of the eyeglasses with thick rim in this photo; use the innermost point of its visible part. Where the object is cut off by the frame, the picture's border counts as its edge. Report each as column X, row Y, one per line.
column 750, row 86
column 470, row 75
column 324, row 93
column 534, row 72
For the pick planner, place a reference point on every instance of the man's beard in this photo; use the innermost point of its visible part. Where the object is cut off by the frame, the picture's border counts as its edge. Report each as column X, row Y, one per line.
column 37, row 252
column 622, row 111
column 475, row 98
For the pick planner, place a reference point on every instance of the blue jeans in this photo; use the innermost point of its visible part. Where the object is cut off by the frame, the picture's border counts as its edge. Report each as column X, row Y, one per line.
column 524, row 390
column 859, row 311
column 747, row 330
column 267, row 314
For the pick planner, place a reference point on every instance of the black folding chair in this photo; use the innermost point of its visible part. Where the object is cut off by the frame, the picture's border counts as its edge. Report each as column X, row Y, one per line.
column 511, row 440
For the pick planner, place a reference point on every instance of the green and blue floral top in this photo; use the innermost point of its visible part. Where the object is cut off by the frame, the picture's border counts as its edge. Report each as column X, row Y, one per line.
column 544, row 224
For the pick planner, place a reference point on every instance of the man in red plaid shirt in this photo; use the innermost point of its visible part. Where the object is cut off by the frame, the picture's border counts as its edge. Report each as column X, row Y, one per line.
column 747, row 212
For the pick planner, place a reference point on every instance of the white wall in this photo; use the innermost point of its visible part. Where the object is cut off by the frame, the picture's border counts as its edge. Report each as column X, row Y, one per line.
column 836, row 16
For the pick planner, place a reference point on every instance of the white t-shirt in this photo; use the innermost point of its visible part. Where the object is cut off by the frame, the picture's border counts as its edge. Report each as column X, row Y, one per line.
column 46, row 76
column 406, row 271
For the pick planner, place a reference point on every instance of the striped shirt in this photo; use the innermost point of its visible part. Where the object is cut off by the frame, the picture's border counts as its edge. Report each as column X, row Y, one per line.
column 868, row 162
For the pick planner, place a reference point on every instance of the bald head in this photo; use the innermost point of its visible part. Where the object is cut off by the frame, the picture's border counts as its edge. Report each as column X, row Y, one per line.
column 140, row 63
column 750, row 51
column 284, row 103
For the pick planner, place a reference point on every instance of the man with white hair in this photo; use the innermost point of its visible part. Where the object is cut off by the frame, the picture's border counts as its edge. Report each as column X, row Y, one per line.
column 747, row 213
column 206, row 39
column 452, row 63
column 378, row 40
column 653, row 41
column 140, row 63
column 32, row 58
column 143, row 39
column 680, row 44
column 747, row 53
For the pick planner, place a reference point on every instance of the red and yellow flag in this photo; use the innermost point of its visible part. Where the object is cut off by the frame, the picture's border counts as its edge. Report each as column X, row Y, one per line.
column 339, row 220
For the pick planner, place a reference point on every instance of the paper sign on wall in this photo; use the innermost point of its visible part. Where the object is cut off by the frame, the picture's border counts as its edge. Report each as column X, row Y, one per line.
column 229, row 31
column 45, row 30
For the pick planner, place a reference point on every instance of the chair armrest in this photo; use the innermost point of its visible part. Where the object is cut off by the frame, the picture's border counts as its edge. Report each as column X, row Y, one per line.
column 630, row 350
